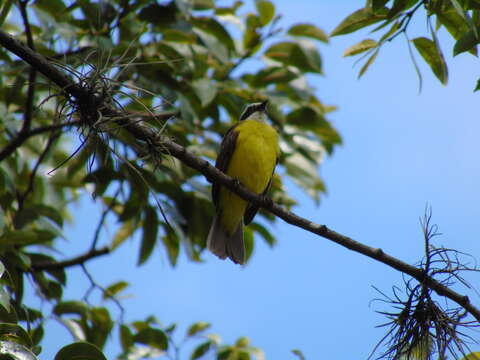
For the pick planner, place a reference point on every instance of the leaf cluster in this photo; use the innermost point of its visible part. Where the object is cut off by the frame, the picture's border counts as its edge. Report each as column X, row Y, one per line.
column 461, row 19
column 185, row 68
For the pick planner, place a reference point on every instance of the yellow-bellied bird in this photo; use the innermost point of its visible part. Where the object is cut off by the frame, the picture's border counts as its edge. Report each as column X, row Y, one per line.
column 248, row 153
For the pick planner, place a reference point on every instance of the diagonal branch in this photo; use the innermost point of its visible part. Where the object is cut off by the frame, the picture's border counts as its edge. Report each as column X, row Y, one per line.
column 143, row 132
column 78, row 260
column 25, row 135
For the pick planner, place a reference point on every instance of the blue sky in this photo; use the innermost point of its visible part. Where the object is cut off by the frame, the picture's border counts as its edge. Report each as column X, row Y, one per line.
column 401, row 151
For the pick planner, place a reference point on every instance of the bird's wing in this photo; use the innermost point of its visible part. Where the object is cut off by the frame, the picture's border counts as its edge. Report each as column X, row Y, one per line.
column 227, row 147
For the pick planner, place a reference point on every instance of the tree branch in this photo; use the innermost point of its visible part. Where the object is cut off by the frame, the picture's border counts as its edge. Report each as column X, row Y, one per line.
column 28, row 115
column 79, row 260
column 169, row 147
column 24, row 136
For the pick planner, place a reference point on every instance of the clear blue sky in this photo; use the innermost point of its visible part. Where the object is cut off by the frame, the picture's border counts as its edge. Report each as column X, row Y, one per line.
column 401, row 151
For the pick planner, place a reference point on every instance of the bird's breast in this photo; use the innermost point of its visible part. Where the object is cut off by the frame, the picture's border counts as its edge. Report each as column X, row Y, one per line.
column 255, row 155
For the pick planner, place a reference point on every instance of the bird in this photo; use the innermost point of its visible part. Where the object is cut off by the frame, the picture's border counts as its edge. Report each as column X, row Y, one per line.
column 249, row 153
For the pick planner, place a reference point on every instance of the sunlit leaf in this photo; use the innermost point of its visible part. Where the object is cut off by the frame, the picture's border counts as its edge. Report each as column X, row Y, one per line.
column 360, row 47
column 359, row 19
column 264, row 233
column 302, row 56
column 266, row 11
column 367, row 64
column 206, row 90
column 433, row 57
column 472, row 356
column 152, row 337
column 14, row 332
column 201, row 350
column 149, row 236
column 80, row 350
column 308, row 30
column 466, row 42
column 71, row 307
column 477, row 87
column 15, row 351
column 198, row 327
column 114, row 289
column 125, row 231
column 126, row 337
column 298, row 354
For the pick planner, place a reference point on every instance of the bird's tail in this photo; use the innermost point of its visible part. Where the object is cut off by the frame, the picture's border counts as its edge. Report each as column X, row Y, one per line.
column 222, row 245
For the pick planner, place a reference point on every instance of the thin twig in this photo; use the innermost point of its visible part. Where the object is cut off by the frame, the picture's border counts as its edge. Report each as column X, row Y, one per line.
column 21, row 197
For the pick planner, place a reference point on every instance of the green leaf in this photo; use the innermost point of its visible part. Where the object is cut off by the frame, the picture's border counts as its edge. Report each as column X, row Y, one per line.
column 251, row 37
column 248, row 243
column 298, row 354
column 379, row 4
column 179, row 36
column 24, row 217
column 453, row 22
column 466, row 16
column 101, row 325
column 55, row 8
column 308, row 30
column 157, row 14
column 466, row 42
column 153, row 337
column 203, row 4
column 80, row 350
column 201, row 350
column 360, row 19
column 71, row 307
column 264, row 233
column 360, row 47
column 200, row 326
column 125, row 231
column 367, row 64
column 126, row 337
column 50, row 212
column 2, row 217
column 206, row 90
column 266, row 11
column 303, row 56
column 272, row 75
column 431, row 53
column 149, row 238
column 24, row 237
column 73, row 326
column 217, row 49
column 15, row 333
column 114, row 289
column 216, row 29
column 4, row 299
column 398, row 7
column 478, row 86
column 472, row 356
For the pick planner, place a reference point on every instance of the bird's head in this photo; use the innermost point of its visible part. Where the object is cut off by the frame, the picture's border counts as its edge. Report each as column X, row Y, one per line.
column 255, row 111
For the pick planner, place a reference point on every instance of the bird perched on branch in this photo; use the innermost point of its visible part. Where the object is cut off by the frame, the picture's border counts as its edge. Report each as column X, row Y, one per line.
column 249, row 153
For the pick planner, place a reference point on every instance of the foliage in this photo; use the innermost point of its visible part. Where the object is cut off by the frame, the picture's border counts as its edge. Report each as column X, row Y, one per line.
column 461, row 18
column 187, row 68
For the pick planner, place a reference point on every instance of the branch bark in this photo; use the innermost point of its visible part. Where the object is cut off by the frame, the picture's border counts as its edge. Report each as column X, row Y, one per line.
column 169, row 147
column 78, row 260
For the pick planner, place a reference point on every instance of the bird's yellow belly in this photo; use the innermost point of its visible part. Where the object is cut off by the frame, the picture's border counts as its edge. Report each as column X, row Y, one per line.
column 252, row 163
